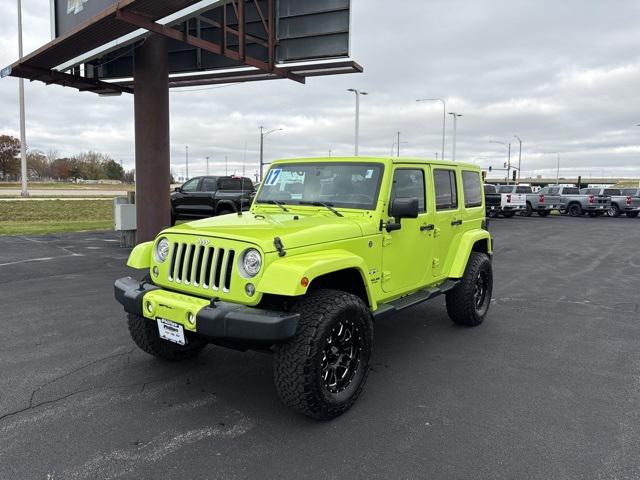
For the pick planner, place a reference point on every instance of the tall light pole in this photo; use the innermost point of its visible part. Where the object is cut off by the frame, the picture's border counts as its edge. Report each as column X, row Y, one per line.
column 186, row 158
column 455, row 132
column 444, row 116
column 23, row 137
column 519, row 157
column 357, row 94
column 558, row 171
column 207, row 166
column 262, row 135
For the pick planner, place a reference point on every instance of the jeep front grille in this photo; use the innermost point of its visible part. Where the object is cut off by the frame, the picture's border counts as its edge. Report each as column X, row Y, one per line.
column 201, row 266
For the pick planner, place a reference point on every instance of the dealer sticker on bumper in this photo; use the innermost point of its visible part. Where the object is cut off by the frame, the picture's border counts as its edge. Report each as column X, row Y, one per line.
column 171, row 331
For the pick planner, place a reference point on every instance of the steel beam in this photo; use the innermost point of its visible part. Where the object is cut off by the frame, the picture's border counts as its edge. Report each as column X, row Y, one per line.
column 151, row 106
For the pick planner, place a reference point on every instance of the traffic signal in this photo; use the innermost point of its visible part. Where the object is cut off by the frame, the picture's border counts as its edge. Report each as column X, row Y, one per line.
column 514, row 175
column 490, row 168
column 484, row 175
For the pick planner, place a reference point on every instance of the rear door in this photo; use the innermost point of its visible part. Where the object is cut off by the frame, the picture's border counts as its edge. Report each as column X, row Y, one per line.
column 406, row 253
column 448, row 218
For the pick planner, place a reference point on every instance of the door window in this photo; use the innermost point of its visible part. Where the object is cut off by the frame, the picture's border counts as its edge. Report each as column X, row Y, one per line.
column 208, row 184
column 191, row 185
column 409, row 183
column 472, row 189
column 229, row 184
column 446, row 189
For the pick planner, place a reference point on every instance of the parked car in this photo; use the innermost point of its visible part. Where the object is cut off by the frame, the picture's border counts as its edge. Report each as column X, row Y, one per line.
column 632, row 192
column 500, row 200
column 542, row 202
column 309, row 271
column 628, row 204
column 203, row 197
column 576, row 204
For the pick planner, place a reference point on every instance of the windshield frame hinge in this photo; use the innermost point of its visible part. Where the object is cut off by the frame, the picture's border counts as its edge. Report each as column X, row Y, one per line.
column 277, row 242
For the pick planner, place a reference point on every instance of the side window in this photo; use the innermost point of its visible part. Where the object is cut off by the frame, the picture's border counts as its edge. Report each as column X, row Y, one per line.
column 208, row 185
column 229, row 184
column 446, row 189
column 471, row 187
column 191, row 185
column 409, row 183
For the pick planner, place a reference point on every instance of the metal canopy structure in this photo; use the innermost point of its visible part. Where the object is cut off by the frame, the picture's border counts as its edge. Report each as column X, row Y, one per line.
column 222, row 42
column 145, row 47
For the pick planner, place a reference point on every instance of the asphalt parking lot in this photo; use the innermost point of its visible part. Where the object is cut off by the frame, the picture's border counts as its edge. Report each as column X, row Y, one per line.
column 548, row 387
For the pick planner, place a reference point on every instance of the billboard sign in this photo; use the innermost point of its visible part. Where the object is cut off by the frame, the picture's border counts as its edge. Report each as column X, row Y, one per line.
column 68, row 14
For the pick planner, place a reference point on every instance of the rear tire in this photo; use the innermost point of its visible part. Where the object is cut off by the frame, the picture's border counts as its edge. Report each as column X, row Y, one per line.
column 614, row 211
column 144, row 333
column 468, row 303
column 632, row 214
column 322, row 370
column 575, row 210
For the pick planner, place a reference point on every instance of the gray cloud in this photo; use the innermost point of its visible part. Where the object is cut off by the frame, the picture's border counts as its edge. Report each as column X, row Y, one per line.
column 562, row 75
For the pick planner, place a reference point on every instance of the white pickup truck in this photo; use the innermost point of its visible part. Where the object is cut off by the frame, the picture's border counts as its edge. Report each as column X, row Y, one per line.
column 500, row 200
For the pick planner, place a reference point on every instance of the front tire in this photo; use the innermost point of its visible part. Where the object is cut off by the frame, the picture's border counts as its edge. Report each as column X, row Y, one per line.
column 508, row 213
column 632, row 214
column 322, row 370
column 614, row 211
column 468, row 303
column 144, row 333
column 575, row 210
column 527, row 212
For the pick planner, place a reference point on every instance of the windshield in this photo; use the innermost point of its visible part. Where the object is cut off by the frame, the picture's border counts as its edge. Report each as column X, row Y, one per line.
column 342, row 185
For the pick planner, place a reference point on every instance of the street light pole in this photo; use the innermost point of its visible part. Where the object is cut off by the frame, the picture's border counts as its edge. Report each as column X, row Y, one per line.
column 519, row 157
column 508, row 145
column 23, row 140
column 186, row 157
column 398, row 145
column 444, row 116
column 558, row 171
column 357, row 133
column 207, row 166
column 262, row 135
column 455, row 133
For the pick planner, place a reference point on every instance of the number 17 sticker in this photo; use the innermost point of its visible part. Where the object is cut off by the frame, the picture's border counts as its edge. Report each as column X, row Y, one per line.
column 273, row 176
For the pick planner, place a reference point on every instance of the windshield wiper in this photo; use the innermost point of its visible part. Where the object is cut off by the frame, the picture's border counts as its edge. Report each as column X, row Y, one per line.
column 275, row 202
column 321, row 204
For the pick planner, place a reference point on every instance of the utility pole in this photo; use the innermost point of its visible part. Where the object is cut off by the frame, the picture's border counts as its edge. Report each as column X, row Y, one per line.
column 398, row 145
column 455, row 132
column 509, row 164
column 357, row 133
column 186, row 154
column 558, row 171
column 519, row 157
column 23, row 137
column 207, row 166
column 262, row 135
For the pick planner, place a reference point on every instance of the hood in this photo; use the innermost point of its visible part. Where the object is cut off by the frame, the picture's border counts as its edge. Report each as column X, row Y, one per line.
column 262, row 228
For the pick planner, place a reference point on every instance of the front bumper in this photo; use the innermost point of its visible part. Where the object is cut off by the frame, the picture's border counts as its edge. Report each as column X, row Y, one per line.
column 217, row 322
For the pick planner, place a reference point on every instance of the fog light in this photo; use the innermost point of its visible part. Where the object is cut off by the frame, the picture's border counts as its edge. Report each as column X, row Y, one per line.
column 156, row 272
column 250, row 289
column 149, row 307
column 191, row 318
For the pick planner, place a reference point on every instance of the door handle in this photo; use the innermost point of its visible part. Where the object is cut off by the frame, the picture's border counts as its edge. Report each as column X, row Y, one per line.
column 425, row 228
column 455, row 223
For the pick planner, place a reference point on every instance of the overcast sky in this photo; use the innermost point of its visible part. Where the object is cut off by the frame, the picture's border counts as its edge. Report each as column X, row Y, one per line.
column 564, row 75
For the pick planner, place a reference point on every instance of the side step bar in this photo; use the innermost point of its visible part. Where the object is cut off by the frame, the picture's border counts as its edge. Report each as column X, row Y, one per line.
column 388, row 309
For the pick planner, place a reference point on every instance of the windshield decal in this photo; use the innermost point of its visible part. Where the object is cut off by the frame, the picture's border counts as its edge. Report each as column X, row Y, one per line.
column 273, row 176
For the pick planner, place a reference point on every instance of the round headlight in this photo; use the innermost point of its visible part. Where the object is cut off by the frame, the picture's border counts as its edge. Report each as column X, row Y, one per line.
column 162, row 250
column 251, row 262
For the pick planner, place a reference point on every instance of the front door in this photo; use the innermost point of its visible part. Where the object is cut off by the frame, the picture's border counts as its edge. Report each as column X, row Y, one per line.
column 406, row 253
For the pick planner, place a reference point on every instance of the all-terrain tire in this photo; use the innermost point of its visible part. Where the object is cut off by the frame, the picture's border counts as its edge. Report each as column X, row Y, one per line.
column 465, row 304
column 144, row 333
column 300, row 363
column 632, row 214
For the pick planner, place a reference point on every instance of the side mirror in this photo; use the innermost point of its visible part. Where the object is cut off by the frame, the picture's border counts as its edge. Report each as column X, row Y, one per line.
column 404, row 208
column 177, row 189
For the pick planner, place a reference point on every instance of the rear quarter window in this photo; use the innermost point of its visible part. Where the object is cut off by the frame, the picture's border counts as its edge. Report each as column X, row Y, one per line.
column 570, row 191
column 472, row 188
column 611, row 191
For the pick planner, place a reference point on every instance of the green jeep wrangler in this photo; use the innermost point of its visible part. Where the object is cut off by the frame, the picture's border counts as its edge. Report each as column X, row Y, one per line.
column 329, row 246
